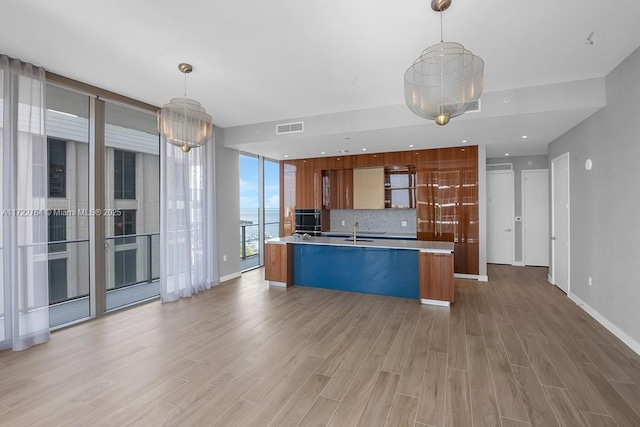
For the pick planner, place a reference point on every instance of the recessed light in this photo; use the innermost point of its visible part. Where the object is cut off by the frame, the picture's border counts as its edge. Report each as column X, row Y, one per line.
column 322, row 152
column 524, row 136
column 464, row 141
column 286, row 155
column 506, row 154
column 410, row 145
column 364, row 149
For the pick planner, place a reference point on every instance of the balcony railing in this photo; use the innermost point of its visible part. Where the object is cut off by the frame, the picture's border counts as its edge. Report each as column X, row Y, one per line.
column 250, row 242
column 132, row 273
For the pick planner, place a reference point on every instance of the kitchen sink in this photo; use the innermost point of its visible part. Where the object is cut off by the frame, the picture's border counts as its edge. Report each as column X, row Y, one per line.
column 350, row 239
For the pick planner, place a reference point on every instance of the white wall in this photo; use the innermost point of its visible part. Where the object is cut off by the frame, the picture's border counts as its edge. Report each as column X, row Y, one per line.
column 605, row 202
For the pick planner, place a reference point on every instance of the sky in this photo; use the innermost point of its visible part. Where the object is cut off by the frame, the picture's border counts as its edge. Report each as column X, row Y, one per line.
column 249, row 183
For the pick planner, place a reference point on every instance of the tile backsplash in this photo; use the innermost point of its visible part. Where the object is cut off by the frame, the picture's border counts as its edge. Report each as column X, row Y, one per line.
column 388, row 220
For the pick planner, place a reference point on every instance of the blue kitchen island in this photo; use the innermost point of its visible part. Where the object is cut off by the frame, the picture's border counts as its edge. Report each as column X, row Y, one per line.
column 375, row 266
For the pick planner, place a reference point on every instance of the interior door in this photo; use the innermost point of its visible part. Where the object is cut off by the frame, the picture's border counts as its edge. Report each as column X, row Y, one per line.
column 560, row 209
column 500, row 206
column 535, row 217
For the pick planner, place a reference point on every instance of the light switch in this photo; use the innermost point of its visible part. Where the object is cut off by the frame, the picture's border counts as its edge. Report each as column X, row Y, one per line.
column 342, row 222
column 404, row 223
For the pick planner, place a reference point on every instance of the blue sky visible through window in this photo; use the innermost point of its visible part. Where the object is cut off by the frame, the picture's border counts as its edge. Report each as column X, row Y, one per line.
column 249, row 188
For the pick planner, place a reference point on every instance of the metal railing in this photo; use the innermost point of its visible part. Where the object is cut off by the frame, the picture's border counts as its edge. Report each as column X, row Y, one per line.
column 253, row 241
column 146, row 272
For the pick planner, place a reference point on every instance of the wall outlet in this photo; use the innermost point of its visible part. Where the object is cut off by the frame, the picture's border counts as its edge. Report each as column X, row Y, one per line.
column 342, row 222
column 404, row 223
column 224, row 257
column 590, row 281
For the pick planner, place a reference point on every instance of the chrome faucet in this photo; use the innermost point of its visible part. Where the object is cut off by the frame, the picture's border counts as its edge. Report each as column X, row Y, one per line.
column 355, row 228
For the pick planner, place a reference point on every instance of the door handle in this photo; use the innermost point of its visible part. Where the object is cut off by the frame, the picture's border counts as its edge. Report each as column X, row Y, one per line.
column 553, row 238
column 507, row 229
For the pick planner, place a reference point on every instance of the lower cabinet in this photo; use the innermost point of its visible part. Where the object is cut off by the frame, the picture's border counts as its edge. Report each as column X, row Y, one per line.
column 436, row 276
column 277, row 263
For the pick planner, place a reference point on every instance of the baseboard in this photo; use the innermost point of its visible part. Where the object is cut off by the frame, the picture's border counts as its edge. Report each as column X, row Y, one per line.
column 633, row 344
column 277, row 284
column 477, row 277
column 518, row 264
column 230, row 276
column 435, row 302
column 550, row 279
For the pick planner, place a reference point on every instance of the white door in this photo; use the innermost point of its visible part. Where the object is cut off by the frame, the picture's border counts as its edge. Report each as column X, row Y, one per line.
column 560, row 222
column 500, row 205
column 535, row 217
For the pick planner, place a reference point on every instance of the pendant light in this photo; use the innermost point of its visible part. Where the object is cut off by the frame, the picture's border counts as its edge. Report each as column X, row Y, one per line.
column 446, row 80
column 184, row 122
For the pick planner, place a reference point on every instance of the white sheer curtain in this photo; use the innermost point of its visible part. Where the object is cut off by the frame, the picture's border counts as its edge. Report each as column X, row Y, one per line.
column 188, row 253
column 24, row 295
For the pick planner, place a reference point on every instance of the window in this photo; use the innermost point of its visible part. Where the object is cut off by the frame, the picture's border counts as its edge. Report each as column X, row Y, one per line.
column 57, row 167
column 125, row 267
column 57, row 232
column 125, row 224
column 124, row 174
column 57, row 280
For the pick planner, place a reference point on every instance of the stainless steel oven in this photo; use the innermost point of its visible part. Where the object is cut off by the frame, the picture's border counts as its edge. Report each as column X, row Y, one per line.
column 308, row 221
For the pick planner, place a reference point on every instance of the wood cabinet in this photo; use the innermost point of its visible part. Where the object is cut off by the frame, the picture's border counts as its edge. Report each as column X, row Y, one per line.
column 368, row 188
column 278, row 265
column 436, row 276
column 400, row 187
column 447, row 196
column 287, row 198
column 337, row 189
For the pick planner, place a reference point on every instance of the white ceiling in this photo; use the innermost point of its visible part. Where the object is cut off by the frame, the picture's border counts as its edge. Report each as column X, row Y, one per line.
column 259, row 62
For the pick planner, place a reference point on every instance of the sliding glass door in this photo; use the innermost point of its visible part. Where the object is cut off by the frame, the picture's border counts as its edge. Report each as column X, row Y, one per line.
column 132, row 206
column 67, row 124
column 259, row 207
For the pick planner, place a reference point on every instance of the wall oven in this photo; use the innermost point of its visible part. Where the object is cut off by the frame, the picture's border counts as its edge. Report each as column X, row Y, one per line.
column 308, row 221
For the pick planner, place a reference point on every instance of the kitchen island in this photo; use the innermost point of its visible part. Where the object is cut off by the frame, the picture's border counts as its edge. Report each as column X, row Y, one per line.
column 402, row 268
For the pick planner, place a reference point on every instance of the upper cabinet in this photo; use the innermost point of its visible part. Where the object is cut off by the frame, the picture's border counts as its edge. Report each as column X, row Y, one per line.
column 337, row 189
column 368, row 188
column 400, row 187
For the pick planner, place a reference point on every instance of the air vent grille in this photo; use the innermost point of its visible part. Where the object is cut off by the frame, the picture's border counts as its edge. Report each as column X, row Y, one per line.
column 284, row 128
column 473, row 106
column 500, row 167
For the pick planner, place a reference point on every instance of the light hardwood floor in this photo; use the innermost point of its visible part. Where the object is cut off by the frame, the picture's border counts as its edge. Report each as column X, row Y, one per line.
column 511, row 352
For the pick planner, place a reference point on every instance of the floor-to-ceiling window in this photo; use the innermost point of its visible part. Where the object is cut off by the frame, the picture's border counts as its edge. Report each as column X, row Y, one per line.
column 249, row 211
column 132, row 205
column 87, row 276
column 259, row 207
column 68, row 262
column 271, row 198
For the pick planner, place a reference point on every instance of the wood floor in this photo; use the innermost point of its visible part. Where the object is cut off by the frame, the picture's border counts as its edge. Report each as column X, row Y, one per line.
column 512, row 352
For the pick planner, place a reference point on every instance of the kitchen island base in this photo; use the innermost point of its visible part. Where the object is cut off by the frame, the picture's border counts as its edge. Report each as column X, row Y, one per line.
column 407, row 269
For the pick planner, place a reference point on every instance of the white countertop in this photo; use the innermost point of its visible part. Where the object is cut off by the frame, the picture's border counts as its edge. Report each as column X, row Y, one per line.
column 371, row 234
column 419, row 245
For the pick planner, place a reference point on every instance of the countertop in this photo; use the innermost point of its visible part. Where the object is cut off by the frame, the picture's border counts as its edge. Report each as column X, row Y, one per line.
column 419, row 245
column 371, row 234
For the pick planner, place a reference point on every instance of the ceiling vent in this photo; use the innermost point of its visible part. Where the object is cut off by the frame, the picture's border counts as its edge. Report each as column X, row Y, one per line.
column 500, row 167
column 285, row 128
column 473, row 106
